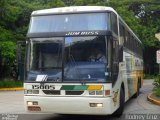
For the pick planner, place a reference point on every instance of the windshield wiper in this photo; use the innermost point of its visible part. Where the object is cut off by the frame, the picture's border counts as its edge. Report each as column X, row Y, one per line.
column 42, row 68
column 76, row 69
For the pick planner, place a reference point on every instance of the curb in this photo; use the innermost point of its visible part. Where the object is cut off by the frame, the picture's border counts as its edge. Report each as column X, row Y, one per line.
column 152, row 100
column 11, row 89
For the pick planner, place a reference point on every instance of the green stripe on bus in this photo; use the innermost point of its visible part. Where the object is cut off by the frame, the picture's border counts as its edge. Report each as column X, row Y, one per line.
column 67, row 87
column 80, row 87
column 74, row 87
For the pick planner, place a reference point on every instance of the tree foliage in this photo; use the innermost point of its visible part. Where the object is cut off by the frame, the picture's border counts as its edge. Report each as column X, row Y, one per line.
column 142, row 16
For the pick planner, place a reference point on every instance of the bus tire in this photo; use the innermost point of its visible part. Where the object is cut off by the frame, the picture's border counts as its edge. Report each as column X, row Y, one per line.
column 138, row 89
column 119, row 111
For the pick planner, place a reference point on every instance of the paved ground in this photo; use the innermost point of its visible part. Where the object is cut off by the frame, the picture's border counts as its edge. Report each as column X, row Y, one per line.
column 12, row 102
column 141, row 105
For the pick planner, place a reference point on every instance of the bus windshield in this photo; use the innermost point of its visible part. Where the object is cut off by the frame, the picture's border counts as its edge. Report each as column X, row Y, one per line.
column 69, row 22
column 85, row 58
column 74, row 59
column 45, row 58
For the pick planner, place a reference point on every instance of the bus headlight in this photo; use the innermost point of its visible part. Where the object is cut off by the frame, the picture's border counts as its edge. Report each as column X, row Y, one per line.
column 28, row 92
column 35, row 91
column 98, row 92
column 92, row 92
column 31, row 92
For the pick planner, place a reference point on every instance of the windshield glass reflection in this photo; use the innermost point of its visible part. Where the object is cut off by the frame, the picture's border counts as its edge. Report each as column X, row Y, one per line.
column 45, row 58
column 75, row 59
column 85, row 58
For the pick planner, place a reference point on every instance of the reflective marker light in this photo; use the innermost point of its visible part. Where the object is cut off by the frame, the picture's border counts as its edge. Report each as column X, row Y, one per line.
column 96, row 104
column 107, row 92
column 34, row 108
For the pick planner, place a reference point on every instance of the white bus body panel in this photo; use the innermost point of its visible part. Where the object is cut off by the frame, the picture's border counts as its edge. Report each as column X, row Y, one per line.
column 72, row 105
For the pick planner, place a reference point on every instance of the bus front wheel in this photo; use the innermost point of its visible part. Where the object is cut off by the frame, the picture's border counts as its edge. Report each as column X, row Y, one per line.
column 119, row 111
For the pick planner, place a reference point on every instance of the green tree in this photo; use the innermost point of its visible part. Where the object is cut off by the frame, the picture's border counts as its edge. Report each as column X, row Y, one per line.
column 142, row 16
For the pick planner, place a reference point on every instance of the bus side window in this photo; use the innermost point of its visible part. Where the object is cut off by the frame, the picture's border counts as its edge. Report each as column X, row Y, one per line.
column 122, row 34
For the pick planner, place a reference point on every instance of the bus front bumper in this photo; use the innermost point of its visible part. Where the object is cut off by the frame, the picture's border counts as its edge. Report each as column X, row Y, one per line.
column 70, row 105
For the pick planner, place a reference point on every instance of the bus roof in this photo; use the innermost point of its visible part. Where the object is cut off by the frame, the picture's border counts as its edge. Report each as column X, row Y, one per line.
column 73, row 9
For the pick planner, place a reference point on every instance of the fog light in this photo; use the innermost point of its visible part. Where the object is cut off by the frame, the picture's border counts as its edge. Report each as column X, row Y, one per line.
column 99, row 105
column 29, row 103
column 96, row 104
column 92, row 104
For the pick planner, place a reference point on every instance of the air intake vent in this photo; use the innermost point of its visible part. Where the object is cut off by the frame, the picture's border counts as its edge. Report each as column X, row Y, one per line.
column 74, row 92
column 52, row 92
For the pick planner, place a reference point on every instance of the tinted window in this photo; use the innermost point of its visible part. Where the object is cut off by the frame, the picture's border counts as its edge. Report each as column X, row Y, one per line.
column 69, row 22
column 45, row 58
column 114, row 24
column 122, row 34
column 85, row 58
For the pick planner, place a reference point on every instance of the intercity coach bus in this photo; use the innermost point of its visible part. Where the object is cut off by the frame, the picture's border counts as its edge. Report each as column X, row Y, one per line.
column 81, row 60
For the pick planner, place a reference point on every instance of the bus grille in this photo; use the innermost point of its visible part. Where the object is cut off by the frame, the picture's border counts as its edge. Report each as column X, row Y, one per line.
column 52, row 92
column 58, row 92
column 74, row 92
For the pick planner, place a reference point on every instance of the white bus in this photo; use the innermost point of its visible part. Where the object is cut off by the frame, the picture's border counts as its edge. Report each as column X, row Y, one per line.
column 81, row 60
